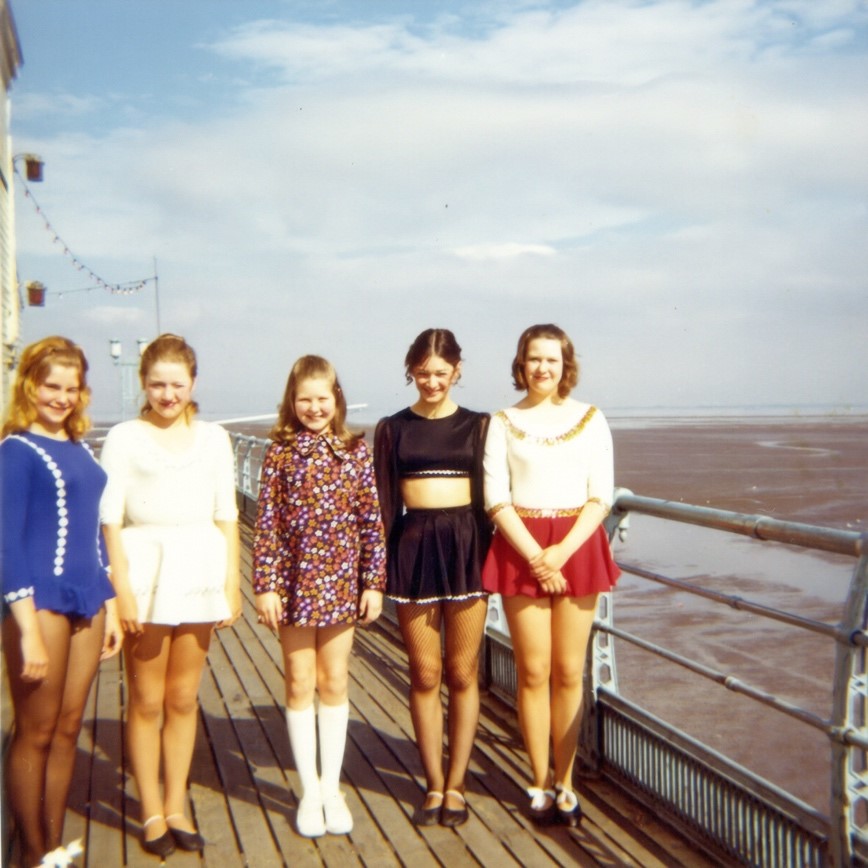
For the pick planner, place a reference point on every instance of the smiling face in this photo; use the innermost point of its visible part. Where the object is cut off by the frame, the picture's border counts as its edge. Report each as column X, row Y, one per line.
column 543, row 366
column 315, row 404
column 56, row 397
column 169, row 390
column 434, row 378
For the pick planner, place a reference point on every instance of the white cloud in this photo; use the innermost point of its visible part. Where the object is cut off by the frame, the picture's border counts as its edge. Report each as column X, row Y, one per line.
column 675, row 182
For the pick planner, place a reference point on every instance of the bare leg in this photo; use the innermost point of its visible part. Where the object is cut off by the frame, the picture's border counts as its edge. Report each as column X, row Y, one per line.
column 84, row 650
column 530, row 624
column 147, row 659
column 37, row 708
column 572, row 619
column 420, row 628
column 187, row 652
column 464, row 623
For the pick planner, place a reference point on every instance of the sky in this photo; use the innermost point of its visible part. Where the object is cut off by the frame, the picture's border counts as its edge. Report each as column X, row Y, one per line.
column 682, row 186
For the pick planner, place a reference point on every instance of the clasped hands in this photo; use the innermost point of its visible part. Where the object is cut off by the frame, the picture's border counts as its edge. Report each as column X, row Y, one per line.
column 545, row 566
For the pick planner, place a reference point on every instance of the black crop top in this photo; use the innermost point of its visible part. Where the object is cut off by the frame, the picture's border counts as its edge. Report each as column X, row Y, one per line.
column 433, row 447
column 407, row 445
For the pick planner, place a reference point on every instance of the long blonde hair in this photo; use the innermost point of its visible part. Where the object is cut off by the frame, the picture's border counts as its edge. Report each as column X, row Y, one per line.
column 288, row 424
column 35, row 366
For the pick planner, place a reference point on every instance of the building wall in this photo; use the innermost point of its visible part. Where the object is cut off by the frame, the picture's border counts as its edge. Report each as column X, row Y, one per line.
column 10, row 61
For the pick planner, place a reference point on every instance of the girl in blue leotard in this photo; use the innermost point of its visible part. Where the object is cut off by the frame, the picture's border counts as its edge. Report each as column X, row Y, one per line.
column 59, row 616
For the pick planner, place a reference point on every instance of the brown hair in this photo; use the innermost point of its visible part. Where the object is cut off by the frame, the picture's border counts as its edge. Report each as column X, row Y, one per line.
column 35, row 366
column 547, row 331
column 432, row 342
column 288, row 424
column 168, row 348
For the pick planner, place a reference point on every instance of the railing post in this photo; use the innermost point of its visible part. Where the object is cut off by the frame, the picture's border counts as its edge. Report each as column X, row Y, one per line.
column 601, row 652
column 850, row 711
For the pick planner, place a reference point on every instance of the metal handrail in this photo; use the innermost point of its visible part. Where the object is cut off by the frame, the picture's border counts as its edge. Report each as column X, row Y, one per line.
column 842, row 838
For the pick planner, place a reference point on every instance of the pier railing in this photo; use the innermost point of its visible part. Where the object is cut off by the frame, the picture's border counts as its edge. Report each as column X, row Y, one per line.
column 709, row 797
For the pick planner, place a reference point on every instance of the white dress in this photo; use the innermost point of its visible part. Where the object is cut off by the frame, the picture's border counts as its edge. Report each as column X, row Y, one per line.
column 167, row 504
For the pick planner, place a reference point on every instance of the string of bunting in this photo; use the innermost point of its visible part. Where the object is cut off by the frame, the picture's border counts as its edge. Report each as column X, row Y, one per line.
column 114, row 288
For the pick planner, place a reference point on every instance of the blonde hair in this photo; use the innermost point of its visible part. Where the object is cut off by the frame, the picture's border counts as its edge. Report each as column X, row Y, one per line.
column 168, row 348
column 288, row 425
column 35, row 366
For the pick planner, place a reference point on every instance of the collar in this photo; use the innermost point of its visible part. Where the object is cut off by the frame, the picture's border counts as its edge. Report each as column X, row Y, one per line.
column 306, row 442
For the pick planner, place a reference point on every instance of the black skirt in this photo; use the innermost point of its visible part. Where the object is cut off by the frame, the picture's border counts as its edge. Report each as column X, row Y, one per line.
column 436, row 554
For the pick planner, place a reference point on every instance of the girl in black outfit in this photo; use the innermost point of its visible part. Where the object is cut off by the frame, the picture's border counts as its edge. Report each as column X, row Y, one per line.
column 428, row 460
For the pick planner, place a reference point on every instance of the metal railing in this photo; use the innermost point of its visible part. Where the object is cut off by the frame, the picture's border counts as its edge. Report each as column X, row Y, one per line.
column 711, row 799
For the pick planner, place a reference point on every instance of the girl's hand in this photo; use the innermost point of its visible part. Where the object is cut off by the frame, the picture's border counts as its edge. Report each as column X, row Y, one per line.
column 128, row 612
column 34, row 654
column 269, row 608
column 548, row 562
column 370, row 606
column 556, row 584
column 113, row 634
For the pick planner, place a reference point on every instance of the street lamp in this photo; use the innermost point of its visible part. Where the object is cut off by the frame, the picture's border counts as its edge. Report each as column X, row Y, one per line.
column 127, row 371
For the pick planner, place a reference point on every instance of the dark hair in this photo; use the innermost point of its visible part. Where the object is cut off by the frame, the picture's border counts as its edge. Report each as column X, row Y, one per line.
column 432, row 342
column 547, row 331
column 35, row 366
column 168, row 348
column 288, row 424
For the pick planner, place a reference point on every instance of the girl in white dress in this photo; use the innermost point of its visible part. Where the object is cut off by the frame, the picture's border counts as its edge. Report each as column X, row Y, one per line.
column 171, row 527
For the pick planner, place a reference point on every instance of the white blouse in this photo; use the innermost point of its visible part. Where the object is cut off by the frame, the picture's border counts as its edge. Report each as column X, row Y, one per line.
column 151, row 485
column 536, row 470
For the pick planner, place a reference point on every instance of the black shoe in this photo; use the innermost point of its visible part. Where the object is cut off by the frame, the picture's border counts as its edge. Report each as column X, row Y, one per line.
column 452, row 817
column 543, row 813
column 162, row 846
column 423, row 816
column 568, row 814
column 193, row 842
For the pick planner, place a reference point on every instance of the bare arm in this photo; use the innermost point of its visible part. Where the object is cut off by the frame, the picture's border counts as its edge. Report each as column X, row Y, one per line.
column 127, row 609
column 33, row 650
column 229, row 529
column 508, row 522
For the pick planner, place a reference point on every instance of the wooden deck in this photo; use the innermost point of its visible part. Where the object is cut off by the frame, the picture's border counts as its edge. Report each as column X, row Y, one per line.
column 243, row 783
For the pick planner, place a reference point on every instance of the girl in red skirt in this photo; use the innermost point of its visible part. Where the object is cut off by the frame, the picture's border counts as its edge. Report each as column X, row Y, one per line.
column 548, row 487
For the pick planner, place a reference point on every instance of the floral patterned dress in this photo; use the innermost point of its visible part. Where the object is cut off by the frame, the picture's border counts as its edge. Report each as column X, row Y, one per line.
column 319, row 538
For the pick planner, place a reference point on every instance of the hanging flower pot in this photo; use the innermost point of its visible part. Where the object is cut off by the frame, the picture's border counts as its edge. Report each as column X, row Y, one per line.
column 34, row 167
column 36, row 294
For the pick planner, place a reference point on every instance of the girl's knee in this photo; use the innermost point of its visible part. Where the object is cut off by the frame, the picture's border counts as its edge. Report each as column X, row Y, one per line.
column 69, row 725
column 426, row 675
column 182, row 700
column 333, row 687
column 533, row 675
column 462, row 676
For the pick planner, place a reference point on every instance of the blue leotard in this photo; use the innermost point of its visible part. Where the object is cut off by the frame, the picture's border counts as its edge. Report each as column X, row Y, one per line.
column 52, row 548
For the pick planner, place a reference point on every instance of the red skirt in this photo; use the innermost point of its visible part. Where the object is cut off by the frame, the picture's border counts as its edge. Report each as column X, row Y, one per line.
column 591, row 570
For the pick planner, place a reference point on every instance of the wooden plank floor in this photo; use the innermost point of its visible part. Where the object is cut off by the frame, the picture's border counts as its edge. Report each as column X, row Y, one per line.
column 243, row 788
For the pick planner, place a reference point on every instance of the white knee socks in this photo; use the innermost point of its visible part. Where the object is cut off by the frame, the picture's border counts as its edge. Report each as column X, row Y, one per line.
column 302, row 727
column 302, row 740
column 333, row 721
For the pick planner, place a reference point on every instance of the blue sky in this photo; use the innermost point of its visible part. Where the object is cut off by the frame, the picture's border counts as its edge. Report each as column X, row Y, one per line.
column 682, row 186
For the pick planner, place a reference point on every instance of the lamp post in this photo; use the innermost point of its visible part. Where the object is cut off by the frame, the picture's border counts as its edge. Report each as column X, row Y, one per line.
column 127, row 372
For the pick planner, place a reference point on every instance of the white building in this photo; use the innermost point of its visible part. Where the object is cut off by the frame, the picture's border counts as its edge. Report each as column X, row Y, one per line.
column 10, row 61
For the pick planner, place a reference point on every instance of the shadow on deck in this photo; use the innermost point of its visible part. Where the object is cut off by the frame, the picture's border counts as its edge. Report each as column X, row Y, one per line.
column 243, row 784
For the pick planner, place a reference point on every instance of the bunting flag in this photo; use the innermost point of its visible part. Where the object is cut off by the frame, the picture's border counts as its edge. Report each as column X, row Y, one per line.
column 127, row 288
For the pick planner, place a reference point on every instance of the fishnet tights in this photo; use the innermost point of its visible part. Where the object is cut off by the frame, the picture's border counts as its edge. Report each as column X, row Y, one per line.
column 420, row 623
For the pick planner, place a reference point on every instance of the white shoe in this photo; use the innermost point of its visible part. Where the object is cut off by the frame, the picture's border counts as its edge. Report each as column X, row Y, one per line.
column 338, row 819
column 309, row 818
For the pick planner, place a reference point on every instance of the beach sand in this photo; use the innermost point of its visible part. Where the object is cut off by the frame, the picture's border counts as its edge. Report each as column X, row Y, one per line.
column 813, row 471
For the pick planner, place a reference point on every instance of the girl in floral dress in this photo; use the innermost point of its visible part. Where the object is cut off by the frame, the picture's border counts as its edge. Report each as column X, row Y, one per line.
column 319, row 561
